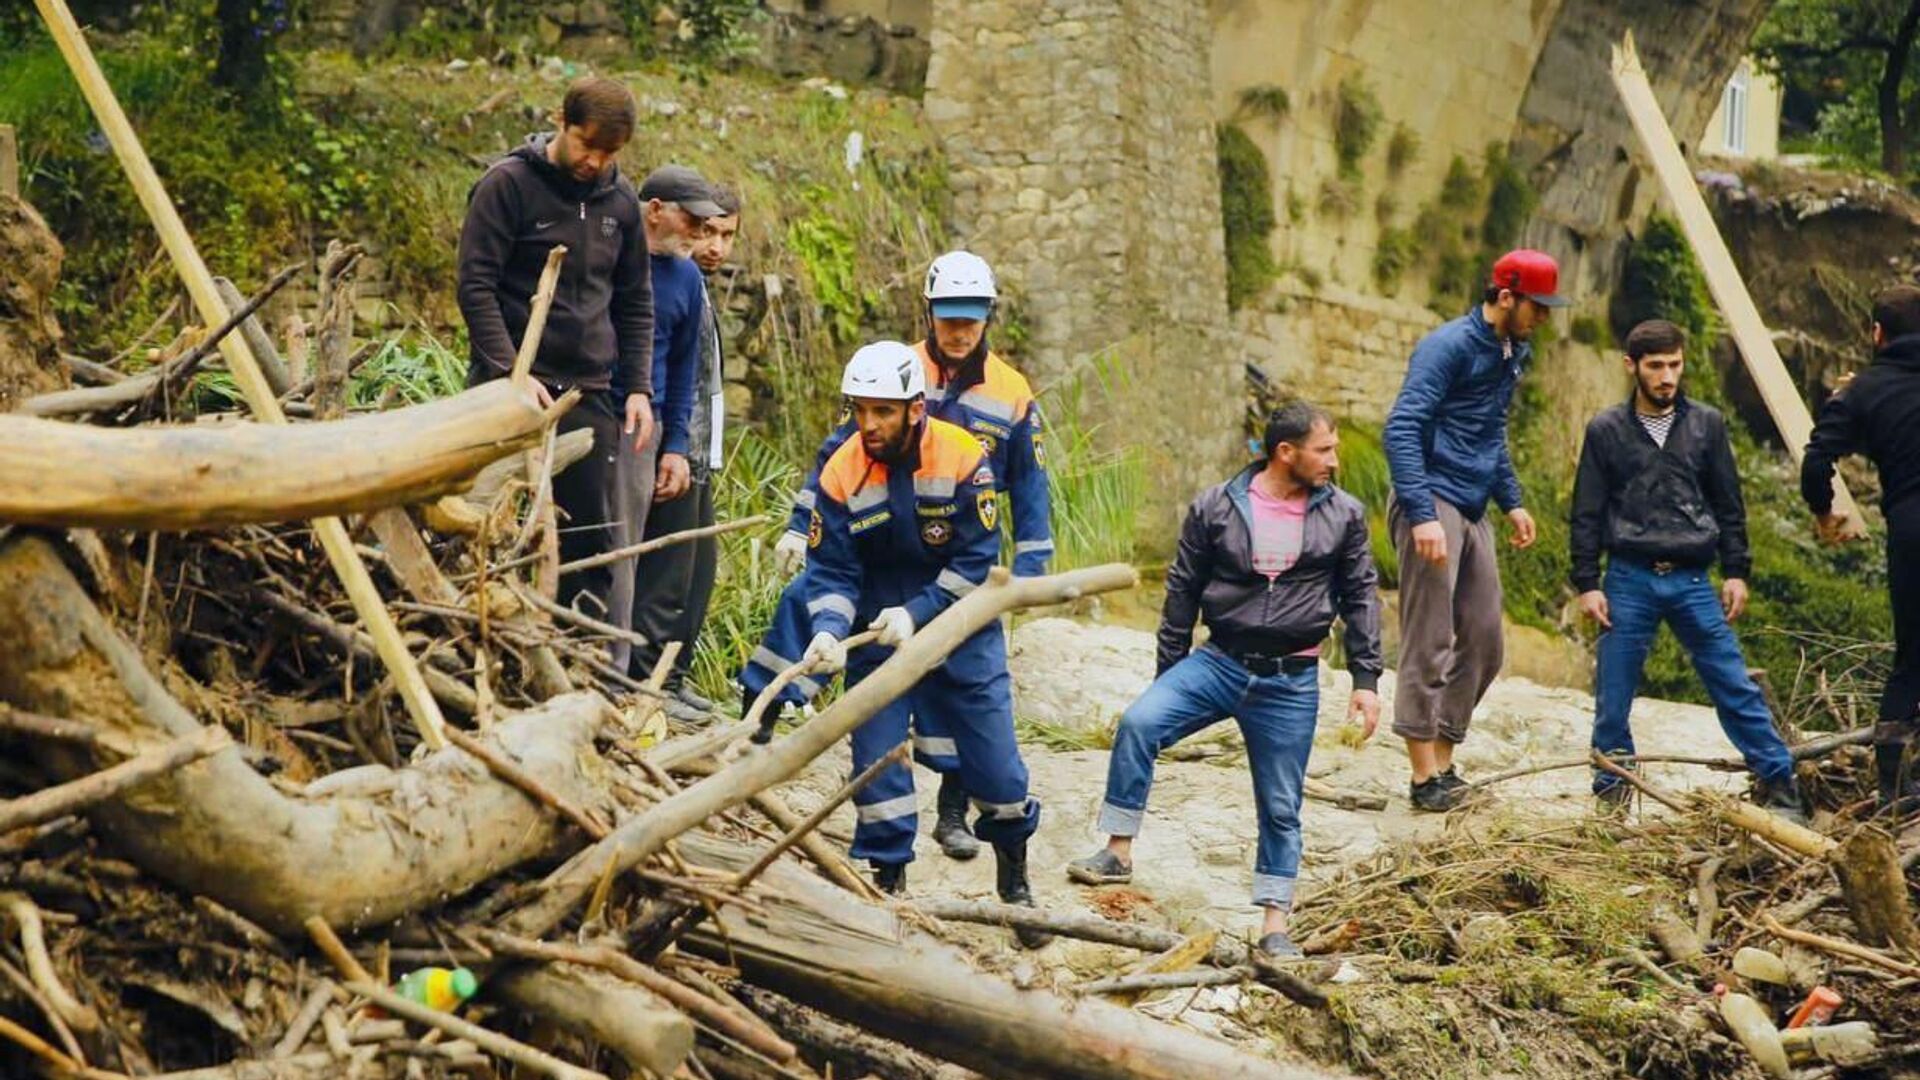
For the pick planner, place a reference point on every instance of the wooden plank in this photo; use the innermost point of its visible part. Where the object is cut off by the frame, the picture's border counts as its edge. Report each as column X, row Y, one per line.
column 1729, row 290
column 9, row 161
column 253, row 385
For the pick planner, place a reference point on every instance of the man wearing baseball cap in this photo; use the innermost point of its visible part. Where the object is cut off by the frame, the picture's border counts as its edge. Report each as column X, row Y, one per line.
column 1446, row 443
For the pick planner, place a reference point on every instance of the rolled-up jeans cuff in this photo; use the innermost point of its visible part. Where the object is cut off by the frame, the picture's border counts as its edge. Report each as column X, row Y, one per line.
column 1118, row 820
column 1272, row 890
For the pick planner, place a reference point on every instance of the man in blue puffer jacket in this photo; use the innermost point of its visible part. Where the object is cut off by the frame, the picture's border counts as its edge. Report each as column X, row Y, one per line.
column 1446, row 443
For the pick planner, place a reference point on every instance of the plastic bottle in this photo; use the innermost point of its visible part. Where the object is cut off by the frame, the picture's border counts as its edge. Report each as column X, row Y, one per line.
column 438, row 988
column 1836, row 1044
column 1748, row 1021
column 1817, row 1009
column 1760, row 965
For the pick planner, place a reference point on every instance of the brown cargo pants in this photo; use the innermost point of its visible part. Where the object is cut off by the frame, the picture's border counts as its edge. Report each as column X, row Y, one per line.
column 1451, row 644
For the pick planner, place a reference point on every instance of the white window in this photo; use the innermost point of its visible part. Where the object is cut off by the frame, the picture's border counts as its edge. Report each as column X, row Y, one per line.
column 1733, row 107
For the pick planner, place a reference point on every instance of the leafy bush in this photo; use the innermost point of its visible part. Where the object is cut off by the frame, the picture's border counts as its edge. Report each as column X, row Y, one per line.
column 1364, row 474
column 1267, row 101
column 1246, row 213
column 1662, row 281
column 1392, row 255
column 1402, row 149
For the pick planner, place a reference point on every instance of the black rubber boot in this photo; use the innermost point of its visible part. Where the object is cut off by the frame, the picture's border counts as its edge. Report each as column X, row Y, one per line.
column 950, row 828
column 1010, row 879
column 1896, row 773
column 768, row 720
column 1783, row 797
column 890, row 878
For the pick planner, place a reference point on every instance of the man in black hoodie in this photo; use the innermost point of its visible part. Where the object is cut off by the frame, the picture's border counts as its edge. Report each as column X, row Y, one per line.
column 562, row 187
column 1878, row 415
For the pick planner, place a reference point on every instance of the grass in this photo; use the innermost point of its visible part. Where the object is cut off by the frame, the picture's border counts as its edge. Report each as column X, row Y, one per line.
column 758, row 478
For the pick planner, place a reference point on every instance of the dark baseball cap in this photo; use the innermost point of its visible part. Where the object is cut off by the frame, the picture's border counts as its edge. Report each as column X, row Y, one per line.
column 684, row 187
column 1529, row 273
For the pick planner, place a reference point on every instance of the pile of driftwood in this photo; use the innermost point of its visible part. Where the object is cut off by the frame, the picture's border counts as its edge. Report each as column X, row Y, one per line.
column 229, row 829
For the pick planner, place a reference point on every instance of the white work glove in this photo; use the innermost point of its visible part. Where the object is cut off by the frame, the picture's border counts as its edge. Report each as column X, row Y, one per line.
column 790, row 553
column 826, row 654
column 895, row 627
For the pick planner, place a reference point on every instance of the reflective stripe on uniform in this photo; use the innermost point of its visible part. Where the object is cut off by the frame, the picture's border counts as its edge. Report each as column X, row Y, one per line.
column 1028, row 547
column 936, row 745
column 1005, row 811
column 833, row 602
column 803, row 498
column 770, row 660
column 988, row 405
column 866, row 498
column 889, row 809
column 934, row 487
column 955, row 584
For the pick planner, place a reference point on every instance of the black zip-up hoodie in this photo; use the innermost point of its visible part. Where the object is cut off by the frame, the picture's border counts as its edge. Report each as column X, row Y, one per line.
column 1877, row 415
column 1637, row 499
column 1212, row 578
column 602, row 313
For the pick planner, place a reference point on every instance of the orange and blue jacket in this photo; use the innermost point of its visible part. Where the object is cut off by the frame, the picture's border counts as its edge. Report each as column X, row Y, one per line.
column 994, row 403
column 918, row 534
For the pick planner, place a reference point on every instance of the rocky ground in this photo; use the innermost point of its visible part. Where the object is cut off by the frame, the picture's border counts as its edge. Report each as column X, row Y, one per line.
column 1194, row 858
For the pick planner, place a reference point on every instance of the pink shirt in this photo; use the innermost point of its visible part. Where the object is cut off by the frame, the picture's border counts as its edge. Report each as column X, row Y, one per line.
column 1279, row 526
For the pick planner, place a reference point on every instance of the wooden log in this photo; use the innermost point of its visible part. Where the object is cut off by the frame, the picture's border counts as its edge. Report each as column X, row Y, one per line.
column 193, row 272
column 219, row 829
column 537, row 1061
column 9, row 161
column 849, row 1050
column 76, row 795
column 639, row 838
column 1875, row 889
column 271, row 366
column 860, row 963
column 335, row 339
column 192, row 477
column 623, row 1017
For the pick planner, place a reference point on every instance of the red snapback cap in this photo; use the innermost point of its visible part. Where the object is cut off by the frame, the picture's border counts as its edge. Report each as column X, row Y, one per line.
column 1532, row 274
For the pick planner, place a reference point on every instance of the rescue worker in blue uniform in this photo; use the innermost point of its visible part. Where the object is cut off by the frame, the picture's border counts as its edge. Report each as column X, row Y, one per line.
column 904, row 525
column 972, row 387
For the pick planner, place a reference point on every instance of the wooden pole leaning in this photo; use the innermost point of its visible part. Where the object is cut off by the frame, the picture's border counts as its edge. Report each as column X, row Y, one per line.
column 1729, row 289
column 240, row 360
column 537, row 318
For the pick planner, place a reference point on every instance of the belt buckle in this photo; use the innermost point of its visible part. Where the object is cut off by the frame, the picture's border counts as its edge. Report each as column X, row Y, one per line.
column 1663, row 567
column 1263, row 666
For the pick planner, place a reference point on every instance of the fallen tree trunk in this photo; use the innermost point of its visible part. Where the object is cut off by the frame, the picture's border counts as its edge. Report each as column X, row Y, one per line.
column 219, row 829
column 619, row 1015
column 641, row 837
column 816, row 944
column 189, row 477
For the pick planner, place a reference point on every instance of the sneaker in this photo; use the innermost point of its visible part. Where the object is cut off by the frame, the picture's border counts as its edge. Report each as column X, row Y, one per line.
column 1451, row 780
column 1782, row 798
column 1433, row 796
column 950, row 828
column 686, row 713
column 890, row 878
column 692, row 698
column 1614, row 798
column 1102, row 867
column 1278, row 946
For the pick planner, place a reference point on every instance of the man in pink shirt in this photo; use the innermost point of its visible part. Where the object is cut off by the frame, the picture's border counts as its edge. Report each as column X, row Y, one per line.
column 1266, row 560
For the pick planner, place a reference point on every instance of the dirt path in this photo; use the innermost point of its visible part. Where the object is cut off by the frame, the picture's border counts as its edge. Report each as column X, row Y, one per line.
column 1194, row 858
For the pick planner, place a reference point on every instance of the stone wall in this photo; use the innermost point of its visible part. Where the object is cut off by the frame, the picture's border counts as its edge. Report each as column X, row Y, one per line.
column 1341, row 349
column 1081, row 143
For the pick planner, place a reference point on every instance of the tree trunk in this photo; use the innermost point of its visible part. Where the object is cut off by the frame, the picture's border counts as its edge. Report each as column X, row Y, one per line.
column 1893, row 128
column 214, row 475
column 824, row 948
column 218, row 829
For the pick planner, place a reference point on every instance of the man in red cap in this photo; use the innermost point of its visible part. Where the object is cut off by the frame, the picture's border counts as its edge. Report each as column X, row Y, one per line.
column 1446, row 443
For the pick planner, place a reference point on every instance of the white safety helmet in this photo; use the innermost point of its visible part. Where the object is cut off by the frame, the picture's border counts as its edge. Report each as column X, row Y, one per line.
column 960, row 286
column 886, row 370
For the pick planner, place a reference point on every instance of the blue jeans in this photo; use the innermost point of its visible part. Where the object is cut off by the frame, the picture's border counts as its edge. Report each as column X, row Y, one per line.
column 1277, row 715
column 1638, row 600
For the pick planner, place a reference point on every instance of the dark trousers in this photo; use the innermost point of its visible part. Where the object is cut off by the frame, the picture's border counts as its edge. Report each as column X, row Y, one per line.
column 583, row 492
column 1901, row 699
column 673, row 586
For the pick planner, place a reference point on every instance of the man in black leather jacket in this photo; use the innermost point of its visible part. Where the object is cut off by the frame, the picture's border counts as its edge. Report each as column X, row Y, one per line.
column 1266, row 560
column 1658, row 491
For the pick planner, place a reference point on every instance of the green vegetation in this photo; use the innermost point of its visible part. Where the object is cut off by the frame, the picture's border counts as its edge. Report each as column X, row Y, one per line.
column 1097, row 488
column 1365, row 476
column 1477, row 214
column 1662, row 281
column 1357, row 117
column 1402, row 149
column 1832, row 57
column 1246, row 211
column 1392, row 255
column 1267, row 101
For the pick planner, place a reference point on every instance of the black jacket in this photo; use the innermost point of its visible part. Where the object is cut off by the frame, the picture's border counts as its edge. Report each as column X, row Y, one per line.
column 1879, row 416
column 1676, row 503
column 602, row 312
column 1212, row 577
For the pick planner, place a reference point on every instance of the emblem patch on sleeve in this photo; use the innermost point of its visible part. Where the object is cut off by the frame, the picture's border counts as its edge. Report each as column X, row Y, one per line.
column 989, row 508
column 813, row 530
column 935, row 532
column 983, row 476
column 987, row 441
column 1039, row 450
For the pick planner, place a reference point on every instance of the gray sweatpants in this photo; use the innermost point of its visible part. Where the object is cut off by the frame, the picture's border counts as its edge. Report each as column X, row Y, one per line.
column 633, row 476
column 1451, row 644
